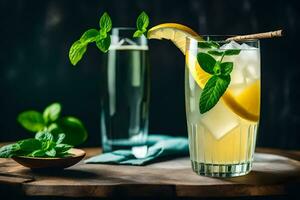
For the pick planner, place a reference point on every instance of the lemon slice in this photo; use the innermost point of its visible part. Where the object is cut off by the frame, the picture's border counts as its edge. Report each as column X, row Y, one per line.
column 246, row 105
column 177, row 33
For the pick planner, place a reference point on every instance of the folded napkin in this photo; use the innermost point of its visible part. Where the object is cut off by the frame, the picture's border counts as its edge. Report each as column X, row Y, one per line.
column 159, row 147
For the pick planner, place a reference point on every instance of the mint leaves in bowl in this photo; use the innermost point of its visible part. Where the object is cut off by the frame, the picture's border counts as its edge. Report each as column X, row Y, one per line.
column 52, row 144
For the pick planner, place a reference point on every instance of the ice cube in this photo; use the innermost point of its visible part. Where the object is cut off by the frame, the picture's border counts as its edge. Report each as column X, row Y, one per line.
column 237, row 76
column 231, row 45
column 251, row 73
column 246, row 46
column 219, row 120
column 248, row 55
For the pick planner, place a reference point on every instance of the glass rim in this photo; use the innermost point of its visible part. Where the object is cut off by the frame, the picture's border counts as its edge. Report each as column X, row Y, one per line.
column 222, row 40
column 123, row 28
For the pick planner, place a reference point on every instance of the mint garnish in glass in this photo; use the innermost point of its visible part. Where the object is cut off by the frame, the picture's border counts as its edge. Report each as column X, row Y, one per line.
column 220, row 71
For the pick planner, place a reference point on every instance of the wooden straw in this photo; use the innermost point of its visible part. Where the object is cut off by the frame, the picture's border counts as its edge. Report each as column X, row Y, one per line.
column 270, row 34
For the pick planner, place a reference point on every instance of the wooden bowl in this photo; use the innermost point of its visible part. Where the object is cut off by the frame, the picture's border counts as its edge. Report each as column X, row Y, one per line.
column 51, row 163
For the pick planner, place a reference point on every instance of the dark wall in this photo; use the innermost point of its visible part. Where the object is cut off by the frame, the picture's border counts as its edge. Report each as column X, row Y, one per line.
column 35, row 71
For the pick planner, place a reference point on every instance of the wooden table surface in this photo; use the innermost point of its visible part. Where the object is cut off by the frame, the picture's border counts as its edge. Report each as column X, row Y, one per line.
column 275, row 172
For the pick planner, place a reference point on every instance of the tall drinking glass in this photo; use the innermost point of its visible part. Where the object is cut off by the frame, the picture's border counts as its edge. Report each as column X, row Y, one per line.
column 126, row 86
column 222, row 140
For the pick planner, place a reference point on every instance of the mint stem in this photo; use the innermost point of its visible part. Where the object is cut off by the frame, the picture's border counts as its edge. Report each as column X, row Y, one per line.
column 222, row 56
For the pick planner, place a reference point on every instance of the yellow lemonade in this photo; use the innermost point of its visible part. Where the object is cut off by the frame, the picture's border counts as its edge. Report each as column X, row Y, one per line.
column 222, row 140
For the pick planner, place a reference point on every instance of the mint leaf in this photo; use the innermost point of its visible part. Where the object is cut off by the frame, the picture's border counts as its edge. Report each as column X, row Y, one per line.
column 31, row 120
column 9, row 151
column 44, row 136
column 214, row 44
column 137, row 33
column 76, row 52
column 226, row 68
column 89, row 36
column 103, row 34
column 232, row 52
column 60, row 138
column 105, row 22
column 103, row 43
column 52, row 112
column 38, row 153
column 206, row 62
column 215, row 52
column 60, row 148
column 212, row 92
column 29, row 145
column 53, row 127
column 142, row 22
column 217, row 68
column 51, row 153
column 73, row 129
column 208, row 44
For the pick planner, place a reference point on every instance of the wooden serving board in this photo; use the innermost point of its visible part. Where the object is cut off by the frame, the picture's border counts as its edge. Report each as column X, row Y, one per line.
column 271, row 175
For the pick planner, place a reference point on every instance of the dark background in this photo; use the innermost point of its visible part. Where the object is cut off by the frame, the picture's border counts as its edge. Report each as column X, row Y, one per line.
column 35, row 70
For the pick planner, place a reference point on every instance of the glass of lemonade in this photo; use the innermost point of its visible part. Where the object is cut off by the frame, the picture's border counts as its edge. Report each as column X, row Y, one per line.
column 222, row 140
column 126, row 86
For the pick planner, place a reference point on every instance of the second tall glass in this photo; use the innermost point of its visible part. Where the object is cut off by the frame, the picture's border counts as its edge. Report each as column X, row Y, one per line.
column 126, row 89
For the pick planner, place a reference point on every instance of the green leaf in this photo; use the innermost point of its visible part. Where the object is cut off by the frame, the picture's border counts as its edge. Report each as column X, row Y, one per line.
column 31, row 120
column 63, row 154
column 206, row 62
column 30, row 144
column 38, row 153
column 60, row 138
column 60, row 148
column 214, row 44
column 217, row 68
column 212, row 92
column 105, row 22
column 76, row 52
column 215, row 52
column 52, row 112
column 74, row 130
column 51, row 153
column 9, row 151
column 137, row 33
column 226, row 68
column 103, row 43
column 231, row 52
column 142, row 22
column 53, row 127
column 44, row 136
column 48, row 145
column 89, row 36
column 208, row 44
column 103, row 34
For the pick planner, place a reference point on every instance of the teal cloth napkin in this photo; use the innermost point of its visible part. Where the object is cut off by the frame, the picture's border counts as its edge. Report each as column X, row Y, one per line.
column 159, row 147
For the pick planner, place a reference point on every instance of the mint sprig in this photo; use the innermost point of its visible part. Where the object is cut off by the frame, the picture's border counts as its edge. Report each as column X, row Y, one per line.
column 220, row 71
column 103, row 40
column 142, row 23
column 43, row 145
column 101, row 37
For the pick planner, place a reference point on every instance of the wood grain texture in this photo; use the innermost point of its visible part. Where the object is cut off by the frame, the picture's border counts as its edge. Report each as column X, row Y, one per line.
column 271, row 175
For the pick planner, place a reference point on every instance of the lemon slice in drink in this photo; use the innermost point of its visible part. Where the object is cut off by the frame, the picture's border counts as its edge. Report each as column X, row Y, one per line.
column 246, row 105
